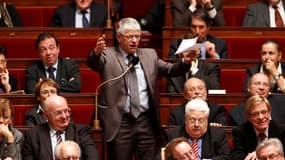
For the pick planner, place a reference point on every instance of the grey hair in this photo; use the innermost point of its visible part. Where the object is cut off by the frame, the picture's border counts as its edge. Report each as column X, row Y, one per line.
column 68, row 143
column 197, row 105
column 128, row 24
column 268, row 142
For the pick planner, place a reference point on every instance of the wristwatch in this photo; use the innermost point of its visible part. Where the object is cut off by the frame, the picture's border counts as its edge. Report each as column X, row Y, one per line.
column 277, row 77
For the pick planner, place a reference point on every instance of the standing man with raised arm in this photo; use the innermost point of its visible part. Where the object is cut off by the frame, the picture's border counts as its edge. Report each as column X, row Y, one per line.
column 130, row 122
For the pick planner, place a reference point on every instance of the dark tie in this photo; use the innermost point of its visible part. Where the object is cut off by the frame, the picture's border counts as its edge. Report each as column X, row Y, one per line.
column 278, row 18
column 85, row 22
column 195, row 148
column 58, row 137
column 261, row 137
column 50, row 71
column 134, row 90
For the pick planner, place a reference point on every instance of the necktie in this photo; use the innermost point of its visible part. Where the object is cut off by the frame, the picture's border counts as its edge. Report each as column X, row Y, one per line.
column 50, row 71
column 58, row 136
column 278, row 18
column 85, row 22
column 261, row 137
column 134, row 90
column 195, row 148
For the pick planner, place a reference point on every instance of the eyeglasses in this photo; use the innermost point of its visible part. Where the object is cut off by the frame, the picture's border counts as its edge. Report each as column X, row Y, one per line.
column 45, row 50
column 131, row 37
column 269, row 157
column 194, row 121
column 257, row 113
column 59, row 113
column 3, row 61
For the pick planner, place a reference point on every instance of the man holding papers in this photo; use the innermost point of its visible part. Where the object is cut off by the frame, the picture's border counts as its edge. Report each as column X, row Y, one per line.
column 201, row 45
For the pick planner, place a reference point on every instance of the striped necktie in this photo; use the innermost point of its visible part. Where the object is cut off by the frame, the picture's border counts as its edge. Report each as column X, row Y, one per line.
column 195, row 148
column 58, row 137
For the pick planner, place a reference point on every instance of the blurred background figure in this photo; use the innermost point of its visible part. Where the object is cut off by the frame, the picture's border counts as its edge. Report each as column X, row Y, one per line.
column 8, row 82
column 270, row 149
column 178, row 149
column 43, row 89
column 9, row 16
column 79, row 14
column 10, row 138
column 67, row 150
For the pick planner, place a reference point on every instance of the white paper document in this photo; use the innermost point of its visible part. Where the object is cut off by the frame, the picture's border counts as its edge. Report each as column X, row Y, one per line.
column 188, row 45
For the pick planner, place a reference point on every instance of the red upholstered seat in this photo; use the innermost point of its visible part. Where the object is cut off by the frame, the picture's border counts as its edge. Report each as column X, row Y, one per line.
column 89, row 81
column 232, row 80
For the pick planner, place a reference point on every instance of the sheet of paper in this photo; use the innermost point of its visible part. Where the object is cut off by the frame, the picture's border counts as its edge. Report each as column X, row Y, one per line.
column 188, row 45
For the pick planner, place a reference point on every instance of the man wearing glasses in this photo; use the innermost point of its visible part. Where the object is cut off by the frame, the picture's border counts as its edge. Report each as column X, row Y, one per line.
column 258, row 127
column 40, row 141
column 210, row 142
column 271, row 149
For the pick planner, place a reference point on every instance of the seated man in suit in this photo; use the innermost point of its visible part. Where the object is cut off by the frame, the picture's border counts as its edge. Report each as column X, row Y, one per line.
column 195, row 88
column 183, row 9
column 8, row 82
column 41, row 140
column 271, row 56
column 44, row 89
column 259, row 85
column 79, row 14
column 270, row 149
column 9, row 17
column 212, row 48
column 178, row 148
column 63, row 71
column 264, row 14
column 67, row 150
column 257, row 128
column 210, row 141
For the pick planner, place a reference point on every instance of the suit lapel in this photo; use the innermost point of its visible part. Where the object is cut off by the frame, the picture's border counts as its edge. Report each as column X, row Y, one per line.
column 46, row 140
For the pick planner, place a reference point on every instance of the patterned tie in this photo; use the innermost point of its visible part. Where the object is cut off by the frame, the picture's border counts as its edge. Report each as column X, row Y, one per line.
column 58, row 136
column 278, row 18
column 195, row 148
column 134, row 90
column 50, row 71
column 85, row 22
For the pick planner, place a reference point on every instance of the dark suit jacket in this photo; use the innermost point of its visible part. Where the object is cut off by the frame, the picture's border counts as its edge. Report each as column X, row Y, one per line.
column 34, row 118
column 209, row 72
column 15, row 17
column 66, row 69
column 214, row 142
column 237, row 116
column 110, row 64
column 251, row 71
column 65, row 15
column 37, row 142
column 220, row 46
column 13, row 83
column 181, row 15
column 257, row 15
column 245, row 141
column 217, row 114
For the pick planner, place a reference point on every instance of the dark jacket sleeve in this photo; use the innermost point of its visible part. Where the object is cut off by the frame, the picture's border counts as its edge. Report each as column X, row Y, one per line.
column 16, row 19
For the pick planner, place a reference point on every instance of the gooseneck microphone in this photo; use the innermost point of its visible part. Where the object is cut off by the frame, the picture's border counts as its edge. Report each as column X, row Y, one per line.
column 133, row 61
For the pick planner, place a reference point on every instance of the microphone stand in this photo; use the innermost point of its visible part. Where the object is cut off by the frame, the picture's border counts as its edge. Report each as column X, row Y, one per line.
column 96, row 122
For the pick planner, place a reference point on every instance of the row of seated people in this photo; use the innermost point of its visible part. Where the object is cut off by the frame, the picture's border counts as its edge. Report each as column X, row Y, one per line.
column 179, row 11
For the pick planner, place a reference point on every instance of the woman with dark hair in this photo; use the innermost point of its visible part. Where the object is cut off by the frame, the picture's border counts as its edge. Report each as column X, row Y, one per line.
column 10, row 138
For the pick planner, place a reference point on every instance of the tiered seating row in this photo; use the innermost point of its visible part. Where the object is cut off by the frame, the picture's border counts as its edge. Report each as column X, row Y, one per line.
column 243, row 43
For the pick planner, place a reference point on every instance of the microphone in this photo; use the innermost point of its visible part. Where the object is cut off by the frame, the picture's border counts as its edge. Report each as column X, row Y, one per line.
column 133, row 61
